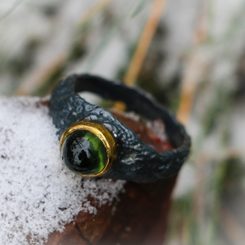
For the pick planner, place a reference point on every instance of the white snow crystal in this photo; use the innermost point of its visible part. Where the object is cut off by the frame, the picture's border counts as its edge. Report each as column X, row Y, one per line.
column 38, row 194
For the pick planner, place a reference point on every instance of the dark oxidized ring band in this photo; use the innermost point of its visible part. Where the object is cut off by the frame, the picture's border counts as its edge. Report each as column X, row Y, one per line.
column 94, row 143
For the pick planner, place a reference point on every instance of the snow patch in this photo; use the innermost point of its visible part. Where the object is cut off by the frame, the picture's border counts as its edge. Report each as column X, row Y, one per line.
column 38, row 194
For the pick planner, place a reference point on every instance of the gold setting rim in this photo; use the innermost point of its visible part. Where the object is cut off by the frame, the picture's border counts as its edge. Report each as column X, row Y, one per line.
column 102, row 133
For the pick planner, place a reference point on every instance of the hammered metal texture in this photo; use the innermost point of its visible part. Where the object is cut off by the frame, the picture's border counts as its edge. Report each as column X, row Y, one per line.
column 135, row 161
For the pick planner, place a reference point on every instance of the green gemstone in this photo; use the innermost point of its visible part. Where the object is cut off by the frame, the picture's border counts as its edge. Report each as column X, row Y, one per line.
column 84, row 152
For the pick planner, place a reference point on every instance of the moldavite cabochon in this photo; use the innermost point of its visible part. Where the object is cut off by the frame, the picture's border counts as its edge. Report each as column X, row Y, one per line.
column 84, row 153
column 38, row 194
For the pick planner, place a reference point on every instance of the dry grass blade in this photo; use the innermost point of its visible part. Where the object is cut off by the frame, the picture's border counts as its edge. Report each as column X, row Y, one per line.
column 94, row 9
column 143, row 45
column 144, row 42
column 193, row 72
column 233, row 229
column 45, row 71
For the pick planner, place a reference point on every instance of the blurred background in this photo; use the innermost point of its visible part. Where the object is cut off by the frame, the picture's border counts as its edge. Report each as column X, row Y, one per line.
column 189, row 53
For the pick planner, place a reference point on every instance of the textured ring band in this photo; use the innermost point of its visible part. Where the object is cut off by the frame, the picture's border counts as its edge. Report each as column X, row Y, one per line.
column 95, row 143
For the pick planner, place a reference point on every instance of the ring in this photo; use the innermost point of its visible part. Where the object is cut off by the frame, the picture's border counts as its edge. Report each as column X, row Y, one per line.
column 94, row 143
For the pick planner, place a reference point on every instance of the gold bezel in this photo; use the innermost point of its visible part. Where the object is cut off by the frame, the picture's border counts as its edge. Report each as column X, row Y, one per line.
column 102, row 133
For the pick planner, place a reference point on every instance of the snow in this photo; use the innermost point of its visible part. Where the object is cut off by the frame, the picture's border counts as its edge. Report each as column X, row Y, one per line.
column 38, row 194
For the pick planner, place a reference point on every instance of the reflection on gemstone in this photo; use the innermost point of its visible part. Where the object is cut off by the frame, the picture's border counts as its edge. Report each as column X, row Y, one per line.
column 84, row 152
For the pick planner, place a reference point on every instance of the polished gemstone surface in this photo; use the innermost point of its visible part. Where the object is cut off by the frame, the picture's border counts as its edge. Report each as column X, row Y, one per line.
column 84, row 152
